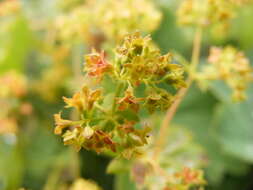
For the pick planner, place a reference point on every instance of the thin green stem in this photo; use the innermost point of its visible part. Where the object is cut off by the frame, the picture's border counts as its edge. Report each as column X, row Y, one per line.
column 76, row 61
column 196, row 51
column 163, row 132
column 117, row 93
column 100, row 108
column 181, row 59
column 54, row 176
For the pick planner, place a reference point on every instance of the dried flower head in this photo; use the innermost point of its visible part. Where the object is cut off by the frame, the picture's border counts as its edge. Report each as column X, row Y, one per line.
column 129, row 101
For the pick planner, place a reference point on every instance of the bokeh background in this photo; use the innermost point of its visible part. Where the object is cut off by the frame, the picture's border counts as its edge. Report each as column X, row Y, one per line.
column 36, row 70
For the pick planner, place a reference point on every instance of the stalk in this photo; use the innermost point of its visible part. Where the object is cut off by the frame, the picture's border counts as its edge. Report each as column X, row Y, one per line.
column 163, row 132
column 117, row 93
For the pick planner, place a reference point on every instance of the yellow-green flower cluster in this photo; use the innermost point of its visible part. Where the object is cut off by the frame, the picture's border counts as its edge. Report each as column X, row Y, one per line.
column 108, row 121
column 187, row 179
column 13, row 87
column 9, row 12
column 205, row 12
column 241, row 2
column 83, row 184
column 75, row 25
column 8, row 7
column 172, row 170
column 12, row 84
column 117, row 18
column 139, row 61
column 232, row 67
column 109, row 18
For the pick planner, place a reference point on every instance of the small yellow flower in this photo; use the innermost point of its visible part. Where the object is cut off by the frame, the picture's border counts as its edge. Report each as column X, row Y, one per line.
column 84, row 99
column 61, row 124
column 82, row 184
column 76, row 101
column 88, row 132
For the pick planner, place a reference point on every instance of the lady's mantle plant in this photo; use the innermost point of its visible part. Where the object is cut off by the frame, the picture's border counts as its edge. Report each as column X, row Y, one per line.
column 231, row 66
column 134, row 79
column 109, row 20
column 215, row 15
column 110, row 120
column 208, row 12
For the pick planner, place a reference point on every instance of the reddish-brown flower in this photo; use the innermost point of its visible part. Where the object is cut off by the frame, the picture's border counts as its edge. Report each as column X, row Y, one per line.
column 129, row 101
column 190, row 176
column 96, row 65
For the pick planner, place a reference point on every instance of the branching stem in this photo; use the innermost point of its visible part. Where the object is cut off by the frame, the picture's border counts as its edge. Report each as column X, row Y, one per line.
column 100, row 108
column 163, row 132
column 117, row 93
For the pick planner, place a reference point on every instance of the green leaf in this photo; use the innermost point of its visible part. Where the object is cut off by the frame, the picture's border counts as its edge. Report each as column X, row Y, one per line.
column 197, row 113
column 241, row 29
column 118, row 166
column 235, row 130
column 108, row 125
column 123, row 182
column 172, row 34
column 15, row 45
column 221, row 91
column 11, row 165
column 128, row 115
column 234, row 124
column 108, row 101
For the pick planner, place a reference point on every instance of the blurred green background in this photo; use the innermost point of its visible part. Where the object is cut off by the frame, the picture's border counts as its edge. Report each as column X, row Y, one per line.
column 34, row 158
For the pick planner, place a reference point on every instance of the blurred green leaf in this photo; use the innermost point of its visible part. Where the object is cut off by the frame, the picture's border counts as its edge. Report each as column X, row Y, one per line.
column 16, row 44
column 197, row 114
column 169, row 35
column 118, row 166
column 11, row 164
column 234, row 123
column 123, row 182
column 241, row 30
column 235, row 130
